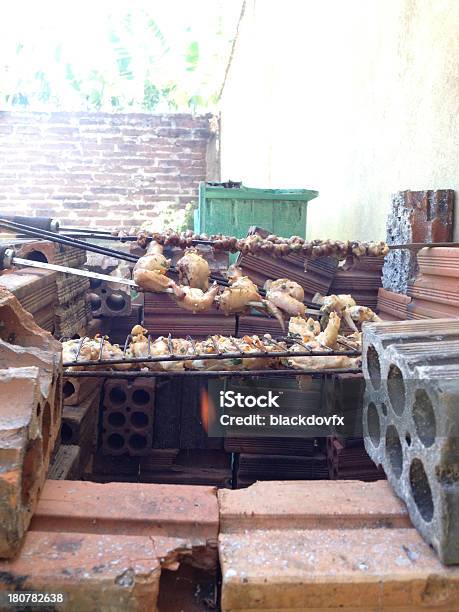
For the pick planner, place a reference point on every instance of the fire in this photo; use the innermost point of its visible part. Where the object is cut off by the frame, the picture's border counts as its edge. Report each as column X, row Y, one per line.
column 208, row 412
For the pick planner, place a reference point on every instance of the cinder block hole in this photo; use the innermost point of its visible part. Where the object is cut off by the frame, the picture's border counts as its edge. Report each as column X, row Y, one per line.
column 396, row 388
column 384, row 409
column 374, row 367
column 139, row 419
column 46, row 427
column 117, row 396
column 374, row 429
column 116, row 301
column 408, row 438
column 420, row 488
column 94, row 283
column 424, row 418
column 32, row 461
column 137, row 441
column 66, row 433
column 68, row 389
column 116, row 419
column 141, row 397
column 95, row 301
column 394, row 450
column 115, row 441
column 37, row 256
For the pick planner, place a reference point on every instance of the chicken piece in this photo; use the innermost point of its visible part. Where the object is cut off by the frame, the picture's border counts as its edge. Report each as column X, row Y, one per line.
column 329, row 336
column 150, row 270
column 194, row 299
column 212, row 346
column 327, row 362
column 158, row 347
column 193, row 270
column 253, row 344
column 337, row 303
column 308, row 330
column 287, row 286
column 361, row 314
column 286, row 295
column 236, row 297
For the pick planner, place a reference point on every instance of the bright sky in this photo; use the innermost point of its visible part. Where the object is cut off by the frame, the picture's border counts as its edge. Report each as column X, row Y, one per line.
column 47, row 36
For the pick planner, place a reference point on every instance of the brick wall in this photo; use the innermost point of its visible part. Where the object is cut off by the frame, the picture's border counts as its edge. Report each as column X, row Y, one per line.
column 98, row 169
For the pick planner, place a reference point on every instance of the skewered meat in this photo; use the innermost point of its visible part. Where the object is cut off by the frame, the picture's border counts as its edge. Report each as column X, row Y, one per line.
column 286, row 295
column 236, row 297
column 193, row 270
column 150, row 270
column 272, row 244
column 194, row 299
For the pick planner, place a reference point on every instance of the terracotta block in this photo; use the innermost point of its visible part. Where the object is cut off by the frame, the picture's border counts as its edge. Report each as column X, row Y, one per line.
column 76, row 390
column 311, row 505
column 439, row 261
column 132, row 509
column 346, row 569
column 95, row 571
column 436, row 289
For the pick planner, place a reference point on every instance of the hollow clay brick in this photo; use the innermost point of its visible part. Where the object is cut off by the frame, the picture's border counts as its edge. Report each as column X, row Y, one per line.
column 31, row 398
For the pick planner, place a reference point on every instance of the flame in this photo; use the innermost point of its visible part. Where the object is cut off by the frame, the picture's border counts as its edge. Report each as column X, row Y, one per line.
column 208, row 412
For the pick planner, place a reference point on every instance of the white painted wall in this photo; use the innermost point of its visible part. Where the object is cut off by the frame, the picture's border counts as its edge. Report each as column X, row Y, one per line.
column 354, row 98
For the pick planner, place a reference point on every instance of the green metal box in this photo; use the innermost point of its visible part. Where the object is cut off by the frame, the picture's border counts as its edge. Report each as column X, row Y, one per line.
column 233, row 210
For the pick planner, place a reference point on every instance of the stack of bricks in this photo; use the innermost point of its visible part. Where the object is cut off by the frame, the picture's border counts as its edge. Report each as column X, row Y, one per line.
column 435, row 291
column 263, row 455
column 72, row 312
column 36, row 290
column 79, row 429
column 30, row 411
column 346, row 454
column 411, row 421
column 102, row 169
column 416, row 216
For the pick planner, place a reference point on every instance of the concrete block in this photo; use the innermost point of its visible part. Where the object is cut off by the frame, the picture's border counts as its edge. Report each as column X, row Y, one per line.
column 416, row 216
column 411, row 424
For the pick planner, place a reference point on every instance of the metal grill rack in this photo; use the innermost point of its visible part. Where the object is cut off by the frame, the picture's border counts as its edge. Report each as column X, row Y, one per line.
column 195, row 355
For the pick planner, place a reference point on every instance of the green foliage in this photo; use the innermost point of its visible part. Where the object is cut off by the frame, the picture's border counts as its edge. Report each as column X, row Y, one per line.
column 141, row 56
